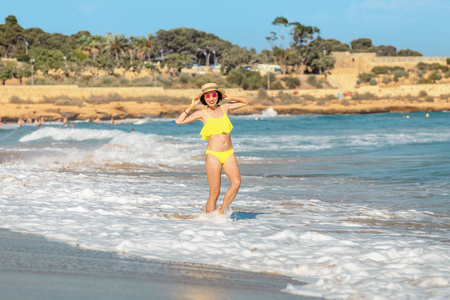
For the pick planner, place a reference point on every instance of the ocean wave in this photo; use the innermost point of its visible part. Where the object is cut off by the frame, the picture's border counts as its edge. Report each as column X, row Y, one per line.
column 71, row 134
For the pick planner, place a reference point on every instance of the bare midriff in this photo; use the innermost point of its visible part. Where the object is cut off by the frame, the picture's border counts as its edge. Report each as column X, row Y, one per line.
column 220, row 142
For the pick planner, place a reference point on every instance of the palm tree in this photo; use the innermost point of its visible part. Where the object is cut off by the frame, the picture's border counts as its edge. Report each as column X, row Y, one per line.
column 85, row 44
column 116, row 44
column 97, row 44
column 137, row 46
column 147, row 46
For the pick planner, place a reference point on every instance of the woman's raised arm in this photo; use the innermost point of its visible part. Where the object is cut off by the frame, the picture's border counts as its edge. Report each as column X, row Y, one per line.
column 185, row 118
column 237, row 102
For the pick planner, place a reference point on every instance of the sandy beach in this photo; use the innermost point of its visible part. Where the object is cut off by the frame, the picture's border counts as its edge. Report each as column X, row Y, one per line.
column 32, row 267
column 74, row 103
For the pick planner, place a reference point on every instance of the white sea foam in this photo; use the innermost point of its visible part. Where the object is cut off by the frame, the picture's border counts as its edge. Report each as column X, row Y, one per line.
column 119, row 148
column 162, row 218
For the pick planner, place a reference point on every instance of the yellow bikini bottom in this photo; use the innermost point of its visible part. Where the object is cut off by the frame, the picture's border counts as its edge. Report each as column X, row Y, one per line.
column 222, row 156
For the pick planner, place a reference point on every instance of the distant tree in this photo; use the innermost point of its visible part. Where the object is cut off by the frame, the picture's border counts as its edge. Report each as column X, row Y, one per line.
column 317, row 56
column 22, row 71
column 148, row 46
column 408, row 52
column 333, row 45
column 235, row 57
column 10, row 20
column 361, row 45
column 105, row 62
column 249, row 80
column 116, row 45
column 47, row 59
column 302, row 34
column 136, row 43
column 175, row 62
column 386, row 51
column 279, row 52
column 9, row 36
column 6, row 73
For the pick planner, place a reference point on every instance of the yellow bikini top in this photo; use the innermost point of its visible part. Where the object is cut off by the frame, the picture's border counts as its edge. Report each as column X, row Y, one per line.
column 216, row 126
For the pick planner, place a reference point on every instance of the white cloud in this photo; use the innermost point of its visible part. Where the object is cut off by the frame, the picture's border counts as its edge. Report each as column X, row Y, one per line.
column 88, row 8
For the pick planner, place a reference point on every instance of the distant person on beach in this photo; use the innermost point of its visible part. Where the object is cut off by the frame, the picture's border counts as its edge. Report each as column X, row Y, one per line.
column 219, row 151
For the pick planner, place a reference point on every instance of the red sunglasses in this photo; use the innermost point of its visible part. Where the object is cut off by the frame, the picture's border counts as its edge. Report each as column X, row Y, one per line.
column 208, row 95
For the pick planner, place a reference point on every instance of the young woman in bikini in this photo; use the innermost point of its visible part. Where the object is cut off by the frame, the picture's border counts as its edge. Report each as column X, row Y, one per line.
column 219, row 151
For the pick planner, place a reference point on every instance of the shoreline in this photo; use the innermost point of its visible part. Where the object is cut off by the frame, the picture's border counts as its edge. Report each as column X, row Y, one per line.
column 117, row 110
column 53, row 103
column 32, row 266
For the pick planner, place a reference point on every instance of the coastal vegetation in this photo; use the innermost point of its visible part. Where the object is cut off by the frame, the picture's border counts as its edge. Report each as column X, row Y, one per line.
column 86, row 59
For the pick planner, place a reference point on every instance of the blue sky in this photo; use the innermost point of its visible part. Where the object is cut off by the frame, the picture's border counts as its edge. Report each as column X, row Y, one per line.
column 422, row 25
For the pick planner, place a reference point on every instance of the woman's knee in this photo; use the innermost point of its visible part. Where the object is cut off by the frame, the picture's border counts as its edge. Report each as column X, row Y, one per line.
column 236, row 182
column 214, row 194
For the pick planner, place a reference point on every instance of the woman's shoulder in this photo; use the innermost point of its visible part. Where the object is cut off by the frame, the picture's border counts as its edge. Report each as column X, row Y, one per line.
column 225, row 107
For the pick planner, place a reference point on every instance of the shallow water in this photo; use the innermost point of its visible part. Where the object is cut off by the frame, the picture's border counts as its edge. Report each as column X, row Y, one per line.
column 355, row 205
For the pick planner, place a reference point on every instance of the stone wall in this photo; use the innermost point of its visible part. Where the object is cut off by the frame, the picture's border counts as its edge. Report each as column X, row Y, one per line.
column 39, row 93
column 364, row 62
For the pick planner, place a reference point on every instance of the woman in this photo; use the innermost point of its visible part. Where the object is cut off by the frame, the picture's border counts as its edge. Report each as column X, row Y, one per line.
column 219, row 151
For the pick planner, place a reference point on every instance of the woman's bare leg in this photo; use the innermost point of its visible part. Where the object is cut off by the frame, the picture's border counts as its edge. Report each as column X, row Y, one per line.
column 231, row 169
column 213, row 172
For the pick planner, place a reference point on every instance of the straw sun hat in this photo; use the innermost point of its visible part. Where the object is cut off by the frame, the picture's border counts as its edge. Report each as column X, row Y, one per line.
column 209, row 87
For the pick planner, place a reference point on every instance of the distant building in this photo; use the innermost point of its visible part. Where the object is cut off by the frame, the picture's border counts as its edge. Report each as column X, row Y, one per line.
column 8, row 59
column 266, row 68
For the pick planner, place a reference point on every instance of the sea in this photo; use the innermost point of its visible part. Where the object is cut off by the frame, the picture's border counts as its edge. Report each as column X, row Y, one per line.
column 355, row 206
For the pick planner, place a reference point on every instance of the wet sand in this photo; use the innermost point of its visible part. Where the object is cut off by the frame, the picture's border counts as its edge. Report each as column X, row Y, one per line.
column 32, row 267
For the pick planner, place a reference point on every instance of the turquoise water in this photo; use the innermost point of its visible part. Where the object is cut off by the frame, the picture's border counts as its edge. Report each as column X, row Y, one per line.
column 314, row 188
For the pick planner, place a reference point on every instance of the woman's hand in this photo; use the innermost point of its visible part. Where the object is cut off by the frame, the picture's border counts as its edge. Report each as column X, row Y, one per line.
column 195, row 102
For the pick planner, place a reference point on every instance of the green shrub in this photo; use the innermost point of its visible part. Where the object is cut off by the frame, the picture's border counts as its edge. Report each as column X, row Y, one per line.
column 420, row 73
column 262, row 94
column 422, row 93
column 424, row 81
column 373, row 81
column 309, row 97
column 23, row 57
column 276, row 85
column 395, row 68
column 124, row 82
column 434, row 76
column 448, row 61
column 387, row 80
column 380, row 70
column 184, row 78
column 401, row 73
column 108, row 81
column 422, row 66
column 69, row 102
column 429, row 99
column 18, row 100
column 435, row 66
column 284, row 96
column 329, row 97
column 248, row 80
column 292, row 82
column 143, row 81
column 165, row 81
column 365, row 77
column 313, row 82
column 365, row 96
column 345, row 102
